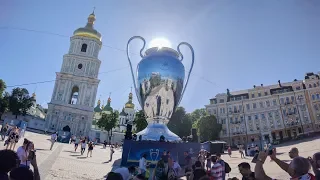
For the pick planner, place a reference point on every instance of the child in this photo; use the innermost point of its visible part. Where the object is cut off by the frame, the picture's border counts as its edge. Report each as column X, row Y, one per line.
column 83, row 146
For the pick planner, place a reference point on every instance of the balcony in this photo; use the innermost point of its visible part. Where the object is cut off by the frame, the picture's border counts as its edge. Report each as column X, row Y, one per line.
column 238, row 133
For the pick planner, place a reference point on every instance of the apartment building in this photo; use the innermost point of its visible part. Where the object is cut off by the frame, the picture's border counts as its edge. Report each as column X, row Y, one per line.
column 267, row 113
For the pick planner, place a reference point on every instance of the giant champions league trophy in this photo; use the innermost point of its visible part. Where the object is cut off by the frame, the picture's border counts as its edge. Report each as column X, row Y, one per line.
column 159, row 87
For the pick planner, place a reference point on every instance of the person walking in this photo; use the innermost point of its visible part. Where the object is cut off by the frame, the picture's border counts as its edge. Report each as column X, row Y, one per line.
column 208, row 164
column 76, row 144
column 216, row 169
column 229, row 151
column 90, row 149
column 83, row 146
column 143, row 165
column 53, row 139
column 111, row 152
column 4, row 130
column 11, row 139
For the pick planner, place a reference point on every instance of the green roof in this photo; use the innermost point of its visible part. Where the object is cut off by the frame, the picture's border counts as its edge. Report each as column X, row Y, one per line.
column 97, row 108
column 123, row 113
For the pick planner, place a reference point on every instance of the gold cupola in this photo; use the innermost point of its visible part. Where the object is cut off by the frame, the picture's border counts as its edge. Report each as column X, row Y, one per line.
column 88, row 30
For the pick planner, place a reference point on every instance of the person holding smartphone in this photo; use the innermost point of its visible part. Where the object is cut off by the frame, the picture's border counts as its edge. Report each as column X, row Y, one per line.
column 23, row 153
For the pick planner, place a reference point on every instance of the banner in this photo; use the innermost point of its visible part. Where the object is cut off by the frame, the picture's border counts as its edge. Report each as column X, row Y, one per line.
column 133, row 150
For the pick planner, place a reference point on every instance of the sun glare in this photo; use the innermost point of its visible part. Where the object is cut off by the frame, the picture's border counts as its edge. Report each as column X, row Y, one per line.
column 160, row 42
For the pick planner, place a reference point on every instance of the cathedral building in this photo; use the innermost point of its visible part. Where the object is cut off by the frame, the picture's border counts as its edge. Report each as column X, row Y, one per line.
column 126, row 116
column 72, row 103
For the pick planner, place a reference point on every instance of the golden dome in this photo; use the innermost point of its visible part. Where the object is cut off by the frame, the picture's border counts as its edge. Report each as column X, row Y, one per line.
column 88, row 30
column 129, row 104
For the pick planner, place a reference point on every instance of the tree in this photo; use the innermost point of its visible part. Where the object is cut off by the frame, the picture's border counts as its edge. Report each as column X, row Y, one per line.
column 140, row 121
column 2, row 87
column 208, row 128
column 20, row 101
column 4, row 104
column 180, row 123
column 108, row 121
column 197, row 114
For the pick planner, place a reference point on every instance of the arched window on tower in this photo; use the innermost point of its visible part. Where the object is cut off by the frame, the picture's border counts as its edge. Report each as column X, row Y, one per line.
column 74, row 95
column 84, row 48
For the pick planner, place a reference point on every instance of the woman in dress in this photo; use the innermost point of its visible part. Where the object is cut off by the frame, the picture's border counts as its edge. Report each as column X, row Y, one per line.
column 90, row 148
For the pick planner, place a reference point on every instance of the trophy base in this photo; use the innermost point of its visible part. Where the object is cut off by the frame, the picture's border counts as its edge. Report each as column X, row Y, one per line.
column 154, row 130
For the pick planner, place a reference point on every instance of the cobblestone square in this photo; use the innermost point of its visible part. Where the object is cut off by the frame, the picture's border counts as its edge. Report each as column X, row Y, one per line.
column 63, row 163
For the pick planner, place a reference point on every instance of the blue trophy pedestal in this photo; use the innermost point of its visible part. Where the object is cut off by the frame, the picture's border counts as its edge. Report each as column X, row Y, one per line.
column 154, row 130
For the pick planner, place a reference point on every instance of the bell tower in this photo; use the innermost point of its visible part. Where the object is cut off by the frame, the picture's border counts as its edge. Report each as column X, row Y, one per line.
column 76, row 84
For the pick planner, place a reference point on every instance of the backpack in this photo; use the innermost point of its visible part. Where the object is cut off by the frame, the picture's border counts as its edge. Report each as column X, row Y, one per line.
column 227, row 168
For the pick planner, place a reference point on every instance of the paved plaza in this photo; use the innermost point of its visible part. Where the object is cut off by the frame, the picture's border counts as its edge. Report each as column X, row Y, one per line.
column 63, row 163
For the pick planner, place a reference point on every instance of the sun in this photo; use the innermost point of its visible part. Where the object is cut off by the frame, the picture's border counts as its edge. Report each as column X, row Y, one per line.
column 160, row 43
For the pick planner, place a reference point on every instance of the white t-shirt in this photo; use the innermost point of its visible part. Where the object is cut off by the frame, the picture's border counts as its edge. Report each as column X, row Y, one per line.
column 124, row 172
column 53, row 137
column 142, row 163
column 83, row 145
column 22, row 154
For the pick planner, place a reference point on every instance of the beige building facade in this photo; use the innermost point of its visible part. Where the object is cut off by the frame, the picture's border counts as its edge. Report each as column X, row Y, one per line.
column 269, row 113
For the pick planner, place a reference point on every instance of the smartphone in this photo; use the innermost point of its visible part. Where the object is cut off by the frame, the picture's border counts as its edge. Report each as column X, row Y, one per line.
column 255, row 158
column 270, row 152
column 32, row 154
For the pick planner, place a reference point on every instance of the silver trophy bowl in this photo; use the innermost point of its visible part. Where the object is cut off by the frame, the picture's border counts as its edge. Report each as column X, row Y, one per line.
column 159, row 86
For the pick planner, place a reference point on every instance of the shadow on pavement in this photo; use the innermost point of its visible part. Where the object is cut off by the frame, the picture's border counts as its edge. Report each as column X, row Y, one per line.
column 82, row 157
column 43, row 149
column 75, row 155
column 70, row 151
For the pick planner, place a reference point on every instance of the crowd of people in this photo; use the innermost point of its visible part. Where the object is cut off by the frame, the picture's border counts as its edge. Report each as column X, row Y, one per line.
column 213, row 167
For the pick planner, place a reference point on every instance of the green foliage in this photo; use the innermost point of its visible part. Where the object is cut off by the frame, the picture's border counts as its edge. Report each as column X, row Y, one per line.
column 108, row 121
column 208, row 128
column 2, row 87
column 140, row 121
column 197, row 114
column 4, row 103
column 19, row 101
column 180, row 123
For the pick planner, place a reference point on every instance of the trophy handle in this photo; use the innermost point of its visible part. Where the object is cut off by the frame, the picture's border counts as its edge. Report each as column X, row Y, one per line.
column 192, row 53
column 130, row 64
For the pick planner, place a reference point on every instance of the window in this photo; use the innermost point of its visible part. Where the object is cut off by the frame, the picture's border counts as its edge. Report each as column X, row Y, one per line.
column 282, row 101
column 310, row 86
column 252, row 95
column 254, row 105
column 231, row 120
column 318, row 97
column 292, row 99
column 299, row 130
column 84, row 48
column 259, row 94
column 262, row 116
column 298, row 88
column 248, row 106
column 274, row 102
column 314, row 85
column 221, row 101
column 249, row 117
column 316, row 107
column 234, row 108
column 287, row 100
column 223, row 110
column 80, row 66
column 256, row 117
column 268, row 103
column 74, row 95
column 266, row 93
column 220, row 110
column 270, row 115
column 313, row 97
column 261, row 104
column 240, row 107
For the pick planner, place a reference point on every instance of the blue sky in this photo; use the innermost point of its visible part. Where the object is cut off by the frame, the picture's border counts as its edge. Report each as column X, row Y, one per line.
column 237, row 43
